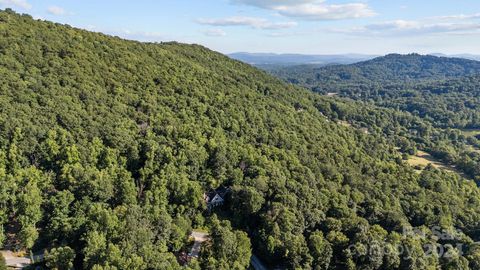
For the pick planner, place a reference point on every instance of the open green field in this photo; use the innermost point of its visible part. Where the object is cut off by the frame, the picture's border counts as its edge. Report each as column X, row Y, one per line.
column 422, row 159
column 470, row 132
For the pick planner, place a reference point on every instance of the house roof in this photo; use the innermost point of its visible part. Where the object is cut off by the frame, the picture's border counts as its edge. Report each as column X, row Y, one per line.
column 221, row 191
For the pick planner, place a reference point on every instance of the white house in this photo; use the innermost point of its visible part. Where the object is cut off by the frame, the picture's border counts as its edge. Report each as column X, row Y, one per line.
column 216, row 197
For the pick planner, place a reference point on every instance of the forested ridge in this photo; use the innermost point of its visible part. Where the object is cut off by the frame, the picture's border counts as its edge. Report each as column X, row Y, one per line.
column 107, row 146
column 443, row 90
column 440, row 93
column 385, row 69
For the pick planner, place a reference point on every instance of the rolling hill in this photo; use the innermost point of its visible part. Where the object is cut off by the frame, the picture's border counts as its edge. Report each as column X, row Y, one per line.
column 107, row 147
column 441, row 89
column 386, row 69
column 278, row 60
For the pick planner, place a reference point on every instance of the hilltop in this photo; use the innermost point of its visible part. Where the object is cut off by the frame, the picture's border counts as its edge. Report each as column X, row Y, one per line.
column 386, row 69
column 441, row 89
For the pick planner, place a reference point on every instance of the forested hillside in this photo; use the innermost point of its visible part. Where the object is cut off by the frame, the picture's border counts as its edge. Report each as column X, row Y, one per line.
column 437, row 91
column 440, row 89
column 386, row 69
column 107, row 147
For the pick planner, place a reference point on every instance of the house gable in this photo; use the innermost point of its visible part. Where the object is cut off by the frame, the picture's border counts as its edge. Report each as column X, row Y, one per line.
column 217, row 199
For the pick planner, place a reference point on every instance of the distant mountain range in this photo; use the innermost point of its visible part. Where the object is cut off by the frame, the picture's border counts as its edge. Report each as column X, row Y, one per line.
column 465, row 56
column 385, row 69
column 272, row 59
column 259, row 59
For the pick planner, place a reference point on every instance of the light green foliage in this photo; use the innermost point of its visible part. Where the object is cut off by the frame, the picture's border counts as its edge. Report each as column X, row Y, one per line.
column 3, row 263
column 29, row 203
column 321, row 250
column 227, row 249
column 60, row 258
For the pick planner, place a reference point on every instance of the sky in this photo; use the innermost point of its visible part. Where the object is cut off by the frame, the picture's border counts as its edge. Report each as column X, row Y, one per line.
column 278, row 26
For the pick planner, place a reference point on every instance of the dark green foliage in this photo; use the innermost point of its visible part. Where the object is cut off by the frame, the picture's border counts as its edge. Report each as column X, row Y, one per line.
column 107, row 146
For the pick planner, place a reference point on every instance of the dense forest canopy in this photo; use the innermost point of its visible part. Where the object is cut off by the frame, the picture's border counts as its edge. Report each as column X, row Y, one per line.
column 107, row 147
column 439, row 92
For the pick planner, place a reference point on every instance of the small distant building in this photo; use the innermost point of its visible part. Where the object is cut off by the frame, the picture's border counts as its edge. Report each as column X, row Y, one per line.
column 365, row 131
column 216, row 197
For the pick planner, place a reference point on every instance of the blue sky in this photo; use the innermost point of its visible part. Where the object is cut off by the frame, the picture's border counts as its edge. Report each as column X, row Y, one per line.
column 281, row 26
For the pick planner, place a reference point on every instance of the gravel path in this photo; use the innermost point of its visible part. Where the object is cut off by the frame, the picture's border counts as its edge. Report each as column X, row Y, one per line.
column 199, row 237
column 15, row 261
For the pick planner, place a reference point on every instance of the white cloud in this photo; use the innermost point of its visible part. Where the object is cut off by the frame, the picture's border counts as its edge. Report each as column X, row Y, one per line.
column 55, row 10
column 282, row 34
column 393, row 25
column 313, row 9
column 257, row 23
column 271, row 3
column 15, row 3
column 402, row 27
column 458, row 17
column 215, row 33
column 326, row 12
column 457, row 24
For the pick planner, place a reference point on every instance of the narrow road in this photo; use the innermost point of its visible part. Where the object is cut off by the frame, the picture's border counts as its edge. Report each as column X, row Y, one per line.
column 199, row 237
column 256, row 263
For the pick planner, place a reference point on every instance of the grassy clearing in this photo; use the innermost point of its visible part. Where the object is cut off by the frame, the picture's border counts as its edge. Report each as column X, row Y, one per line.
column 470, row 132
column 344, row 123
column 422, row 159
column 473, row 149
